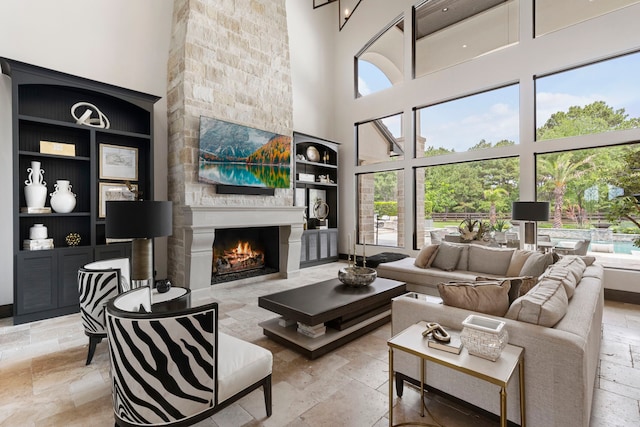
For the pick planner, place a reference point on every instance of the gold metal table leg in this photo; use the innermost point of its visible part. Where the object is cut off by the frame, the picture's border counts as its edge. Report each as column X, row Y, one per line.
column 503, row 406
column 523, row 415
column 390, row 387
column 422, row 362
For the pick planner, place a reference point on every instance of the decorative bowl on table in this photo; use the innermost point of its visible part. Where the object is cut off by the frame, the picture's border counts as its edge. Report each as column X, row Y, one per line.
column 357, row 276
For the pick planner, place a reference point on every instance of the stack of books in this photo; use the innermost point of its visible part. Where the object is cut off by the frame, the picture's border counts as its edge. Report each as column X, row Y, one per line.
column 454, row 346
column 312, row 331
column 285, row 323
column 37, row 244
column 46, row 210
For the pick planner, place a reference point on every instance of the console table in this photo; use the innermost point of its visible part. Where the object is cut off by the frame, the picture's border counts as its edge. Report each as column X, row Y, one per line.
column 499, row 372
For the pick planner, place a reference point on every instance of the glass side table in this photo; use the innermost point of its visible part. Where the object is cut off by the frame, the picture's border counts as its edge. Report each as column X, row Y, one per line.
column 499, row 372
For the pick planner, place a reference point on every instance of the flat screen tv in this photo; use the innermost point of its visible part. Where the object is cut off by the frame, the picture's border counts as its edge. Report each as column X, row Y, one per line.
column 241, row 156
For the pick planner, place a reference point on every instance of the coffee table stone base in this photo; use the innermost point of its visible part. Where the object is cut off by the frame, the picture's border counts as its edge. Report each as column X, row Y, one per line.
column 313, row 348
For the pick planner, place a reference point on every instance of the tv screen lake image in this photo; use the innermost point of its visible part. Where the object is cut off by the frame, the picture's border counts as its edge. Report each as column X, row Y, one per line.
column 234, row 154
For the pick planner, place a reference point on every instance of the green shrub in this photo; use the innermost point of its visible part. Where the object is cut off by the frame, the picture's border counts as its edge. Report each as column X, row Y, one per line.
column 386, row 208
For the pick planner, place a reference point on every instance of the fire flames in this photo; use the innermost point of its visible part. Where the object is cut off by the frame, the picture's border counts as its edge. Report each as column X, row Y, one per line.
column 238, row 258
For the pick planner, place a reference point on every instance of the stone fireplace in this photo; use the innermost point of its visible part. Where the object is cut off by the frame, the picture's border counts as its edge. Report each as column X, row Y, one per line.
column 200, row 227
column 230, row 61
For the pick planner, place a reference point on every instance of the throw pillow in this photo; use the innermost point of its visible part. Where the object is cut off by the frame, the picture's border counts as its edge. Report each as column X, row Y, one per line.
column 484, row 297
column 573, row 263
column 447, row 257
column 527, row 283
column 518, row 259
column 483, row 259
column 519, row 285
column 536, row 264
column 545, row 305
column 425, row 255
column 565, row 276
column 588, row 260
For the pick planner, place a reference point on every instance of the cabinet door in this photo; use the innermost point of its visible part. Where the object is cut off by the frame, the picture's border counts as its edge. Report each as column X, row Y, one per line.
column 333, row 243
column 312, row 245
column 69, row 261
column 36, row 274
column 304, row 248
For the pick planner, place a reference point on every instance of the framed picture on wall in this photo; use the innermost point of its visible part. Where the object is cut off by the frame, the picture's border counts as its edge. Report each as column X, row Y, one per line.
column 117, row 162
column 113, row 191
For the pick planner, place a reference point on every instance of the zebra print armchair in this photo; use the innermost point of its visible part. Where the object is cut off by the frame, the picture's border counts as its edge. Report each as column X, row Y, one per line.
column 175, row 368
column 96, row 287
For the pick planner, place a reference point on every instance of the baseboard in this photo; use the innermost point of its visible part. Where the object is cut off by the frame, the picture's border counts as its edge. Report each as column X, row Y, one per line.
column 6, row 310
column 622, row 296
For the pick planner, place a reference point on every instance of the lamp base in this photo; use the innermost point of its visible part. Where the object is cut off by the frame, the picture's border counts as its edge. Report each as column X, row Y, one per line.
column 141, row 262
column 531, row 236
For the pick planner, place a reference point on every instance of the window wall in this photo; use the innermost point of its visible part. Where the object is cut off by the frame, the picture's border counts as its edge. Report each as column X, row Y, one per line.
column 450, row 32
column 447, row 194
column 381, row 210
column 484, row 120
column 380, row 140
column 590, row 99
column 513, row 124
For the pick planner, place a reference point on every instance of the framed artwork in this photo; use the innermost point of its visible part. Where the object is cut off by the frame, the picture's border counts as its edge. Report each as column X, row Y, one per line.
column 113, row 191
column 117, row 162
column 314, row 195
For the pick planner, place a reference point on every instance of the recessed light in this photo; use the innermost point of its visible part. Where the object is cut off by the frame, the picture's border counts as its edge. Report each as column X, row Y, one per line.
column 464, row 45
column 445, row 9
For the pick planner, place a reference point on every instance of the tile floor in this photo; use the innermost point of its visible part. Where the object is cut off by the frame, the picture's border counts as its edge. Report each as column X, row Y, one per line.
column 44, row 381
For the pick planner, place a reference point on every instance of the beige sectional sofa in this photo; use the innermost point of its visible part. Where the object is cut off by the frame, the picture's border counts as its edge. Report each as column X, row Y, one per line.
column 558, row 323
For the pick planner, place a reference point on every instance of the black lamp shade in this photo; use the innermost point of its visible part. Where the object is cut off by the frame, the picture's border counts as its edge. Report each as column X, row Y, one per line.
column 530, row 211
column 140, row 219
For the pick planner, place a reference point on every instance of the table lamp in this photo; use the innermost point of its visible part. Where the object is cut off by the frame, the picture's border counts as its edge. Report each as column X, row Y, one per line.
column 531, row 212
column 140, row 220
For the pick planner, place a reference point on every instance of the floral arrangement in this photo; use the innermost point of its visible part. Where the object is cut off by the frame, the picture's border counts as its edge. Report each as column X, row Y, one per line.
column 472, row 229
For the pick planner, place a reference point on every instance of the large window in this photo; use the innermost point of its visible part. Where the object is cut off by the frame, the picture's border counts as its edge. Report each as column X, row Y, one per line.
column 484, row 120
column 451, row 31
column 591, row 99
column 590, row 193
column 552, row 15
column 381, row 208
column 380, row 140
column 379, row 65
column 447, row 194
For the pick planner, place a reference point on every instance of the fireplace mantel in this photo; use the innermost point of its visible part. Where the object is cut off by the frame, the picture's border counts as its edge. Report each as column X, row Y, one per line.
column 200, row 223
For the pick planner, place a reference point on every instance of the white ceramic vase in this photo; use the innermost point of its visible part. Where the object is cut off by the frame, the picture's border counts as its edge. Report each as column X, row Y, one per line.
column 38, row 232
column 62, row 199
column 35, row 190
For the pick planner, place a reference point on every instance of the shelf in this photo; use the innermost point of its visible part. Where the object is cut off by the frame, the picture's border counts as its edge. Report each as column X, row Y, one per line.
column 53, row 156
column 317, row 184
column 53, row 214
column 323, row 165
column 70, row 125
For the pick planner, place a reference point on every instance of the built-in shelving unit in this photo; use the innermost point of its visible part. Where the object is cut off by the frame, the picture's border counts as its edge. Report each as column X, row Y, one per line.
column 316, row 178
column 45, row 281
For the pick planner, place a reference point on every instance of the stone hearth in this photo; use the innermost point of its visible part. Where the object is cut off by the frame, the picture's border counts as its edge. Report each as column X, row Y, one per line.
column 200, row 223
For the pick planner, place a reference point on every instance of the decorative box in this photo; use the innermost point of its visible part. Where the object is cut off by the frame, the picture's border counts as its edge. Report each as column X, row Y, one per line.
column 306, row 177
column 484, row 337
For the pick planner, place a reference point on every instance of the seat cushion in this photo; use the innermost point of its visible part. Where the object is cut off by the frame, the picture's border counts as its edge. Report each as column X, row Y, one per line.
column 544, row 305
column 240, row 364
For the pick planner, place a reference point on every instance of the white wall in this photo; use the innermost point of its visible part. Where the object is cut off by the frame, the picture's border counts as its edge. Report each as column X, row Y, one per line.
column 120, row 42
column 311, row 36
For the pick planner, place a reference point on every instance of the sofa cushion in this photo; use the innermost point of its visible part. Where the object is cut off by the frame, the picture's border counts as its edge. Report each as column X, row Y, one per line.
column 564, row 275
column 574, row 264
column 544, row 305
column 518, row 259
column 489, row 297
column 483, row 259
column 447, row 257
column 426, row 256
column 536, row 264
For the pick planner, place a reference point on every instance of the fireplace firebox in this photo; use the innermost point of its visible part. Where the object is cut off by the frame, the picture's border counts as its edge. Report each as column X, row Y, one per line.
column 240, row 253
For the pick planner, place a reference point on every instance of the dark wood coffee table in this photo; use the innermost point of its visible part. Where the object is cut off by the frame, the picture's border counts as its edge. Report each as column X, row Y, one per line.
column 320, row 317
